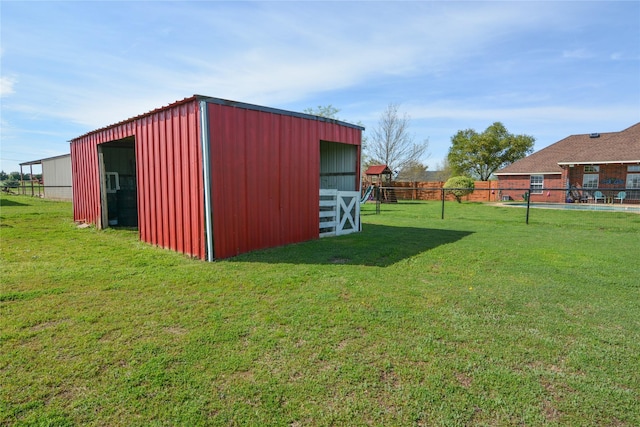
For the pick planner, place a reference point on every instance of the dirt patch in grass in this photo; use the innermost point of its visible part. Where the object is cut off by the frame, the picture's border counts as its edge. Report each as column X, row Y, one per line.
column 176, row 330
column 464, row 379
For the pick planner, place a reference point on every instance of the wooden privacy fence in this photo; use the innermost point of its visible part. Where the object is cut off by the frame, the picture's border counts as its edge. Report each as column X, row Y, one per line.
column 339, row 212
column 491, row 191
column 485, row 191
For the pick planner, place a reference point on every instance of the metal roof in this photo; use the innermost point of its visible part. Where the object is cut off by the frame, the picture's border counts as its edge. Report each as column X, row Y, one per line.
column 225, row 102
column 246, row 106
column 39, row 161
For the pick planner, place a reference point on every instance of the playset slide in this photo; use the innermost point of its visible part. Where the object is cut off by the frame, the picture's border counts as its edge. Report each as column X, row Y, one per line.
column 366, row 195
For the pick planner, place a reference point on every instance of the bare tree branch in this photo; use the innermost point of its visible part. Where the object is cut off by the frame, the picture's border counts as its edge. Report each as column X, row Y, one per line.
column 392, row 144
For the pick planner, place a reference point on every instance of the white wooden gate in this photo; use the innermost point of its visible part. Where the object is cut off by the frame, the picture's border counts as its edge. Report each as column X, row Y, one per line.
column 339, row 212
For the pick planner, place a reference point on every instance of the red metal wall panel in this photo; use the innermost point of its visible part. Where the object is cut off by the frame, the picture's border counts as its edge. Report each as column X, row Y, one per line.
column 265, row 176
column 84, row 167
column 168, row 171
column 170, row 166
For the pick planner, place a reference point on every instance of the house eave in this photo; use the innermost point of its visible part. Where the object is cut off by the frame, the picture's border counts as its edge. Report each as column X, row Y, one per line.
column 600, row 162
column 528, row 173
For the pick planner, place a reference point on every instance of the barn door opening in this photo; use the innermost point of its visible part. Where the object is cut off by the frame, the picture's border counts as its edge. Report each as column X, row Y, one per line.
column 118, row 186
column 339, row 189
column 338, row 166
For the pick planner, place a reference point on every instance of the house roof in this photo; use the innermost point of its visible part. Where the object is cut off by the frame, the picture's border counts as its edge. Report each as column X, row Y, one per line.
column 378, row 170
column 591, row 149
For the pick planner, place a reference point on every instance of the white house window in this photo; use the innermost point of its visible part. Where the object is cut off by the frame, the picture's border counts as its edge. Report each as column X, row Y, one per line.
column 591, row 168
column 536, row 184
column 590, row 180
column 633, row 180
column 633, row 168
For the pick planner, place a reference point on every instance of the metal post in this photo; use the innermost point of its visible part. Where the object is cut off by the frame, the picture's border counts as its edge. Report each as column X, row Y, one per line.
column 528, row 193
column 206, row 178
column 31, row 179
column 22, row 189
column 442, row 197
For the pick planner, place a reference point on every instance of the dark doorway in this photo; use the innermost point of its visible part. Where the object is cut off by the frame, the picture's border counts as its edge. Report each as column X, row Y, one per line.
column 118, row 183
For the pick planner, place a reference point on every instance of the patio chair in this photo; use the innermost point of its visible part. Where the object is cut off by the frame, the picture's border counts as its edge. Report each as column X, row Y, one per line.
column 578, row 195
column 597, row 195
column 621, row 196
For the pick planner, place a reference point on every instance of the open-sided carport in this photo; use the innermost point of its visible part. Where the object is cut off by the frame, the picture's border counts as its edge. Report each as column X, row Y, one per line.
column 214, row 178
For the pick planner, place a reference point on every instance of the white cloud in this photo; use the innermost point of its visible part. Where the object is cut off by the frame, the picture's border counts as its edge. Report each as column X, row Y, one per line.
column 542, row 113
column 577, row 54
column 624, row 56
column 267, row 53
column 6, row 86
column 476, row 62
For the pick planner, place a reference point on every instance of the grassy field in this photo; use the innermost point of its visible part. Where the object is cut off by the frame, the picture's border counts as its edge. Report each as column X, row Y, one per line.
column 477, row 319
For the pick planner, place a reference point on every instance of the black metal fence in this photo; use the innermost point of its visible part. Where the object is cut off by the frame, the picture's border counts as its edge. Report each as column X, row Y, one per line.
column 35, row 189
column 620, row 200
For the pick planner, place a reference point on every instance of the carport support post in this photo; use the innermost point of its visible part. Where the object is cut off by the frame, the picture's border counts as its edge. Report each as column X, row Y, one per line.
column 21, row 182
column 31, row 179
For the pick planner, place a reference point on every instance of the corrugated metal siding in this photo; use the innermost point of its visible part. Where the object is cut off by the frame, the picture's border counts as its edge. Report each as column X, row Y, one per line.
column 84, row 165
column 56, row 173
column 265, row 176
column 169, row 176
column 338, row 166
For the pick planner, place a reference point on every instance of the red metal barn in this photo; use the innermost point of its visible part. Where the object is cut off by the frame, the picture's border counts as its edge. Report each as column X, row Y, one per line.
column 213, row 178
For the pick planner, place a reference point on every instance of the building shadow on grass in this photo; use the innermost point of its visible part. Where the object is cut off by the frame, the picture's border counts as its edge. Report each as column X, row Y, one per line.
column 8, row 202
column 376, row 246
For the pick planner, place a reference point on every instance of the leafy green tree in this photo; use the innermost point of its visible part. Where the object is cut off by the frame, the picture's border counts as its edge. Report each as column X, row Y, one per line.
column 481, row 154
column 3, row 175
column 460, row 186
column 14, row 175
column 328, row 111
column 391, row 143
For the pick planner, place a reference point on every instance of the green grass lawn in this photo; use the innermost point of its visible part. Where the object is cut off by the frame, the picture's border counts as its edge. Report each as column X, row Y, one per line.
column 478, row 319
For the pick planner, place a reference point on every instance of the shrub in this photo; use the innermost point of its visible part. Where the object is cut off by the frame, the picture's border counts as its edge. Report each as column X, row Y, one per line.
column 459, row 186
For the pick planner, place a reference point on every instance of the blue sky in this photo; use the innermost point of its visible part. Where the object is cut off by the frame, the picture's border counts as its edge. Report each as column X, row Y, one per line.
column 546, row 69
